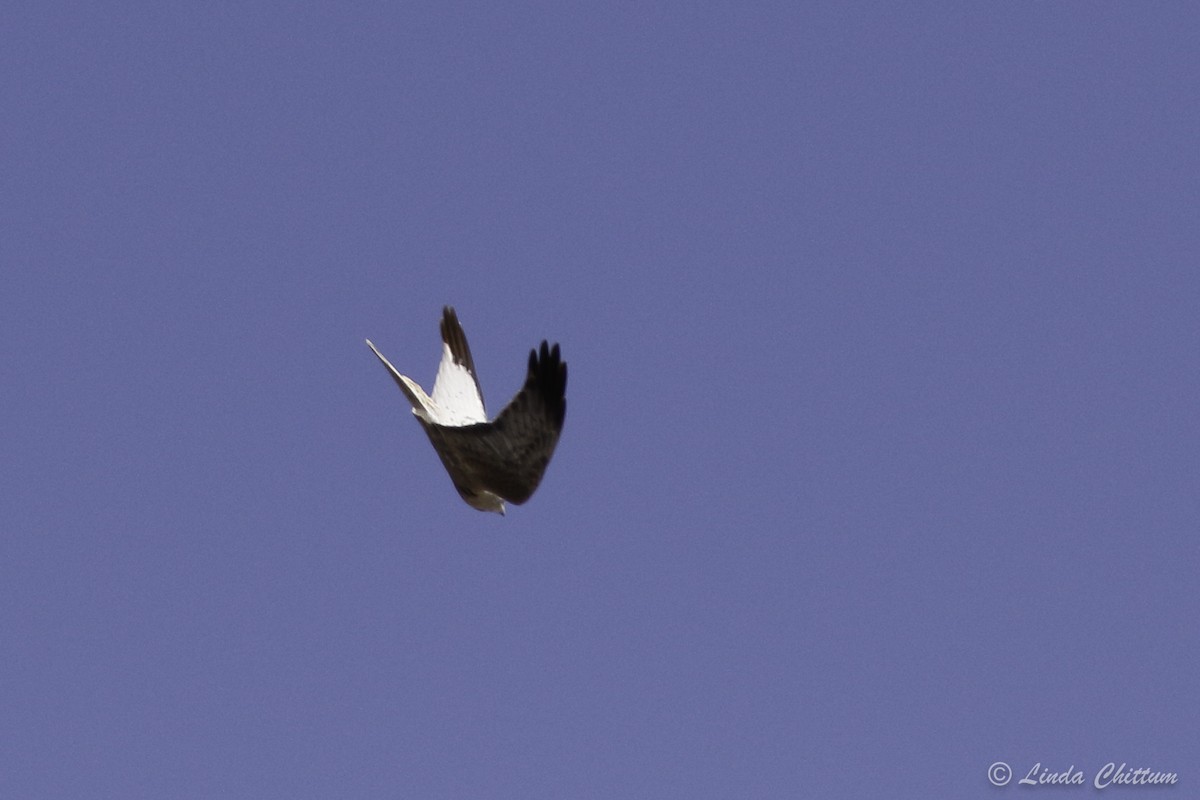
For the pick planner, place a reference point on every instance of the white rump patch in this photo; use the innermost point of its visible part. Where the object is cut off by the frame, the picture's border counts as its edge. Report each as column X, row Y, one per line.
column 456, row 397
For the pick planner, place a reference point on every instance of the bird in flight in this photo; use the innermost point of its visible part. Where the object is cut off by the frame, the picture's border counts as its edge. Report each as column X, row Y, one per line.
column 497, row 461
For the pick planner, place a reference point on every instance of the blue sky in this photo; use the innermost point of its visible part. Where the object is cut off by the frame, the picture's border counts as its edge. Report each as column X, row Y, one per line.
column 881, row 454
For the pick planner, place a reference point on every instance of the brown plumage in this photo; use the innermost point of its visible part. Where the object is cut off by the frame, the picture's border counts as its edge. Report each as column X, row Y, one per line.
column 489, row 461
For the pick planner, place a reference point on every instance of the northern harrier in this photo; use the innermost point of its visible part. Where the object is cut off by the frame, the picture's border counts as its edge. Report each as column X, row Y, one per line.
column 504, row 459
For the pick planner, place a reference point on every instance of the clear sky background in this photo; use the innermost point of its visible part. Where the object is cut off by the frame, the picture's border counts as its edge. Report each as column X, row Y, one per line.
column 881, row 460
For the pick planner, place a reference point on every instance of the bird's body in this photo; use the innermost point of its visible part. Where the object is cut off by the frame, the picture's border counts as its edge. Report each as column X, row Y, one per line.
column 497, row 461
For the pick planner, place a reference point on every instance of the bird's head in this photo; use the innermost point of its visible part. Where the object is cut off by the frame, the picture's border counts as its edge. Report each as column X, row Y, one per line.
column 485, row 501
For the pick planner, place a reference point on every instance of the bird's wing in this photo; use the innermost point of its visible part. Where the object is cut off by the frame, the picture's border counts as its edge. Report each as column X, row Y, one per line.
column 508, row 456
column 415, row 394
column 456, row 389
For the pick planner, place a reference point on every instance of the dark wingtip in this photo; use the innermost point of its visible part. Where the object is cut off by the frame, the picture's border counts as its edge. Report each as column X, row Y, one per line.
column 549, row 373
column 454, row 336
